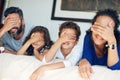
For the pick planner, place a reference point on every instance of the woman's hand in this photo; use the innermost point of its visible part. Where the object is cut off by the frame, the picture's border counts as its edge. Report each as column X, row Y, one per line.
column 85, row 69
column 106, row 32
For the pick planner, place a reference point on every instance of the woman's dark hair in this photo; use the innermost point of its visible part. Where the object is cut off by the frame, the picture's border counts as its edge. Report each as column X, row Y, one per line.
column 11, row 10
column 114, row 16
column 47, row 39
column 71, row 25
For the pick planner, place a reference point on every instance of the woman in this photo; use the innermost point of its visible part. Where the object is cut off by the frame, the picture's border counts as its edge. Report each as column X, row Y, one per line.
column 101, row 43
column 65, row 50
column 37, row 43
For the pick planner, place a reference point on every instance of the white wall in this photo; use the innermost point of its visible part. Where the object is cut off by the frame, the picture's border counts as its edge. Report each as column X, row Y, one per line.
column 38, row 12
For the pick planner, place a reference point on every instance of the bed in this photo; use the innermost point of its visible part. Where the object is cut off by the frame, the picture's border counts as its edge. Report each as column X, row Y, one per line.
column 20, row 67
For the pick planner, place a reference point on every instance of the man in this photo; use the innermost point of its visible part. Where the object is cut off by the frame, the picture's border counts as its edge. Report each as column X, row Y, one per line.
column 14, row 30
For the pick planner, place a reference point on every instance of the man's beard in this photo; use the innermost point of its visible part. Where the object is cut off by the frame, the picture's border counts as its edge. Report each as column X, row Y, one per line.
column 17, row 33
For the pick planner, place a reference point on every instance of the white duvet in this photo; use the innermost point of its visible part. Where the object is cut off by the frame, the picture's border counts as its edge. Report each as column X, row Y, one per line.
column 20, row 67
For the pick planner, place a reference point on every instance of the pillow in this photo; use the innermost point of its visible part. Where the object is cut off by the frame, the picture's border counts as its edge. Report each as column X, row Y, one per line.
column 71, row 73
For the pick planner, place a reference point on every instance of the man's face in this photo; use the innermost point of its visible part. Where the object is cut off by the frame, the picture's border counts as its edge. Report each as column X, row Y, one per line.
column 14, row 22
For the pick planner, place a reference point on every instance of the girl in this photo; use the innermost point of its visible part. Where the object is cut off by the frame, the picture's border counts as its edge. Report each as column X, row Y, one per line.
column 37, row 43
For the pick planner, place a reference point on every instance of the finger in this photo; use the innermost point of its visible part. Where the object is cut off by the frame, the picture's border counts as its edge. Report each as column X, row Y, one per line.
column 81, row 73
column 98, row 24
column 91, row 70
column 99, row 27
column 86, row 73
column 97, row 31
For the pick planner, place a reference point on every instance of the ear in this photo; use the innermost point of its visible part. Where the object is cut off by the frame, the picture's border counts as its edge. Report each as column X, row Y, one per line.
column 23, row 21
column 112, row 24
column 76, row 41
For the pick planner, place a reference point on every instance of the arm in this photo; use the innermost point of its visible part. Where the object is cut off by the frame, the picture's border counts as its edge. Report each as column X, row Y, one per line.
column 10, row 51
column 44, row 68
column 23, row 49
column 117, row 65
column 113, row 57
column 38, row 55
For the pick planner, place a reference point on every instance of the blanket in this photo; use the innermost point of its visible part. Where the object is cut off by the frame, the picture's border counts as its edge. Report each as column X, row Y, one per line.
column 20, row 67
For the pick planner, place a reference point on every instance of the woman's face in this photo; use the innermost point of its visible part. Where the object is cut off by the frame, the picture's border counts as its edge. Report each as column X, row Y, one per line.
column 69, row 44
column 104, row 21
column 39, row 43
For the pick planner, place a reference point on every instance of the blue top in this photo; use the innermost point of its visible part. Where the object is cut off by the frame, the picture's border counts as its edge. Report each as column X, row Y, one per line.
column 90, row 54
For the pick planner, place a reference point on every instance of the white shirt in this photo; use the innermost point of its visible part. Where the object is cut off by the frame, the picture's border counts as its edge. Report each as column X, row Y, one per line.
column 71, row 59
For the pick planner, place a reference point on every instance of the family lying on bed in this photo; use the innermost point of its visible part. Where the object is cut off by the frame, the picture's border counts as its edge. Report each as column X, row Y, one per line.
column 101, row 42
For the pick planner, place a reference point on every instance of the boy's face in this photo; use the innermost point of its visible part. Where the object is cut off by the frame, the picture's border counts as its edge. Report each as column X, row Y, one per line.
column 68, row 45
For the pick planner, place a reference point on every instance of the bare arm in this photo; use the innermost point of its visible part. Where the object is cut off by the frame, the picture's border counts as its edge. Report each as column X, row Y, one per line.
column 47, row 67
column 112, row 53
column 51, row 53
column 10, row 51
column 38, row 55
column 23, row 49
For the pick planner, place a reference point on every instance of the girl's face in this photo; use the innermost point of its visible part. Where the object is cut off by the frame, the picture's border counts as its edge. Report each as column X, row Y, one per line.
column 104, row 21
column 39, row 43
column 69, row 44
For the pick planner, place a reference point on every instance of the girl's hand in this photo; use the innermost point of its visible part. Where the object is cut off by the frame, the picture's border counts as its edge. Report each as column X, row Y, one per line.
column 85, row 69
column 34, row 38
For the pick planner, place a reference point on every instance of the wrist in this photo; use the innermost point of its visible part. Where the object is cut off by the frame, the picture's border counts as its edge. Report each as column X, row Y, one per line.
column 111, row 45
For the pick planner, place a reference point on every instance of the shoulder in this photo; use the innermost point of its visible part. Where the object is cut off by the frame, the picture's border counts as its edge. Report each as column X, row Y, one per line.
column 87, row 36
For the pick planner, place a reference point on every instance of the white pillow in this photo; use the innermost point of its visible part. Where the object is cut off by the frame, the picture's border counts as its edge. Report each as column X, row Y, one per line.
column 20, row 67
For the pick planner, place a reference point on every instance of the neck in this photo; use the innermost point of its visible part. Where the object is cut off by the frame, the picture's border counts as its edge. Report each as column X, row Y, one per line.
column 99, row 49
column 65, row 52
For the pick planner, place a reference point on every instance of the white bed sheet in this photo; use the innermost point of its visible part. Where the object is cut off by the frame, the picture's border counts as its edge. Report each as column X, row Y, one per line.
column 20, row 67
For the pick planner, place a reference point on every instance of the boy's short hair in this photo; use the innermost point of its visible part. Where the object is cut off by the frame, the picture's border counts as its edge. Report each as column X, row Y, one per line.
column 71, row 25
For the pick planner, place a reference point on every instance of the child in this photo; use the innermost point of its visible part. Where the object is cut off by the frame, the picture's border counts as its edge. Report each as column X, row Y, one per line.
column 64, row 49
column 37, row 43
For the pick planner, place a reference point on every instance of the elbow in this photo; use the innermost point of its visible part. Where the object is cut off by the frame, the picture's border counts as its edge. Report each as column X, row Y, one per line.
column 47, row 59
